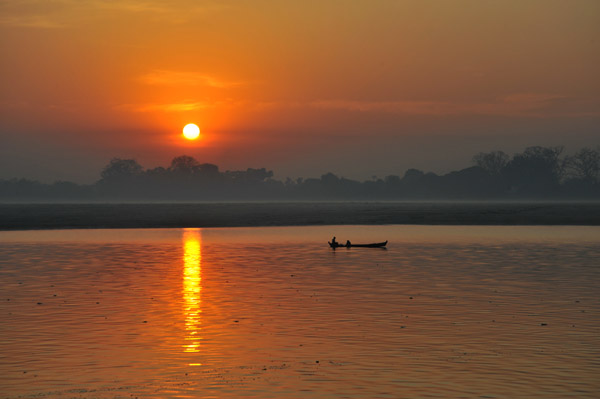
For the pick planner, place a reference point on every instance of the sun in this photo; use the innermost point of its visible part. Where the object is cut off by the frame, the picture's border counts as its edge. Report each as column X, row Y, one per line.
column 191, row 131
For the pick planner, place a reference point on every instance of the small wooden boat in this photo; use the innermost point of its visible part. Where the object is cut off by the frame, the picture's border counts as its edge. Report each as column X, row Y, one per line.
column 374, row 245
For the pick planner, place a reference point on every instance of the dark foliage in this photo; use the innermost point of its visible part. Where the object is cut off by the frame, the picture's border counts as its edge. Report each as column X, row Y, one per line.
column 536, row 173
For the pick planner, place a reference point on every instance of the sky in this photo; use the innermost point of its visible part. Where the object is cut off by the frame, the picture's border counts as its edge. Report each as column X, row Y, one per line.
column 359, row 88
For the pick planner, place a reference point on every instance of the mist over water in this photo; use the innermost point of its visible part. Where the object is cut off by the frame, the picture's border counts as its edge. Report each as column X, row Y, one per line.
column 239, row 214
column 539, row 173
column 273, row 312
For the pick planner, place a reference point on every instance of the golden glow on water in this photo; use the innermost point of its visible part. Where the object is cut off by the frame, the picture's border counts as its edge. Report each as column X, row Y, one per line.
column 452, row 312
column 192, row 288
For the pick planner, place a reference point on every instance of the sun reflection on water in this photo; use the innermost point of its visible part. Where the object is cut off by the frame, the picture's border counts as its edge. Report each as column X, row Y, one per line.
column 192, row 288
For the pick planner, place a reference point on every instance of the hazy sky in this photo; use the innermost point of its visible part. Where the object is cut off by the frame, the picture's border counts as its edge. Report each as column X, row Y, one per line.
column 359, row 88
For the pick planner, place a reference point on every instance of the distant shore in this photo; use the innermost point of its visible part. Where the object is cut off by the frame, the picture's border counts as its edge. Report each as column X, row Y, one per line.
column 173, row 215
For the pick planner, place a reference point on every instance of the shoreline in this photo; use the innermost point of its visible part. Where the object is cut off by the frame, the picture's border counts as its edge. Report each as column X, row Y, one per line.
column 179, row 215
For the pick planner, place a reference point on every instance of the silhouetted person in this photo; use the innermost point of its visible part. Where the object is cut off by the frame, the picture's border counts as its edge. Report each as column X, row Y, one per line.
column 348, row 243
column 334, row 242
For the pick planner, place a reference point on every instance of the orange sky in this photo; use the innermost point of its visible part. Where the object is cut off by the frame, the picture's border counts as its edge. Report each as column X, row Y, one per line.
column 359, row 88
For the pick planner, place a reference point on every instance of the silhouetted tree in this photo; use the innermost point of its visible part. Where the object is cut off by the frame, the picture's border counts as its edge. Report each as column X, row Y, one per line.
column 473, row 182
column 392, row 179
column 492, row 162
column 329, row 179
column 585, row 165
column 208, row 169
column 537, row 171
column 68, row 190
column 261, row 174
column 22, row 188
column 121, row 177
column 184, row 165
column 417, row 184
column 412, row 175
column 250, row 175
column 121, row 169
column 157, row 173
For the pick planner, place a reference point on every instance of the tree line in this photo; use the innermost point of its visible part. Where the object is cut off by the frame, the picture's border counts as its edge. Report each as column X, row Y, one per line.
column 536, row 173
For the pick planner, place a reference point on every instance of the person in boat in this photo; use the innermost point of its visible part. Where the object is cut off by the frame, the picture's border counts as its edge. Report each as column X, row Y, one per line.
column 348, row 243
column 334, row 243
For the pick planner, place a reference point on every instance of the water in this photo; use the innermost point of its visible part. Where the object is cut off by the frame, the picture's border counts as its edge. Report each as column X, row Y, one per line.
column 273, row 312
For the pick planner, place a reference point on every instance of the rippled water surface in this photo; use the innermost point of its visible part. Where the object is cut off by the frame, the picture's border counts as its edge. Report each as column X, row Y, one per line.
column 274, row 313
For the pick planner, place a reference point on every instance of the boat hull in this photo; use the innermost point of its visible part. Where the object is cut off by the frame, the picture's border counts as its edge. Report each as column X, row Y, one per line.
column 374, row 245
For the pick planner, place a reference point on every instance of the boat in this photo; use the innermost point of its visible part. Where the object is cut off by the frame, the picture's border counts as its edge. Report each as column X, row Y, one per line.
column 373, row 245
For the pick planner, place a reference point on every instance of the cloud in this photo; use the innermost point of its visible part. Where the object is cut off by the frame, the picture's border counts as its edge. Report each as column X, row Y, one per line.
column 135, row 6
column 50, row 14
column 168, row 8
column 31, row 21
column 517, row 104
column 181, row 106
column 532, row 98
column 177, row 78
column 16, row 104
column 408, row 107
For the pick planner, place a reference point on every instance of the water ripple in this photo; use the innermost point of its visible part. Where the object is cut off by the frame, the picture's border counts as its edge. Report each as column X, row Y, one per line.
column 203, row 314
